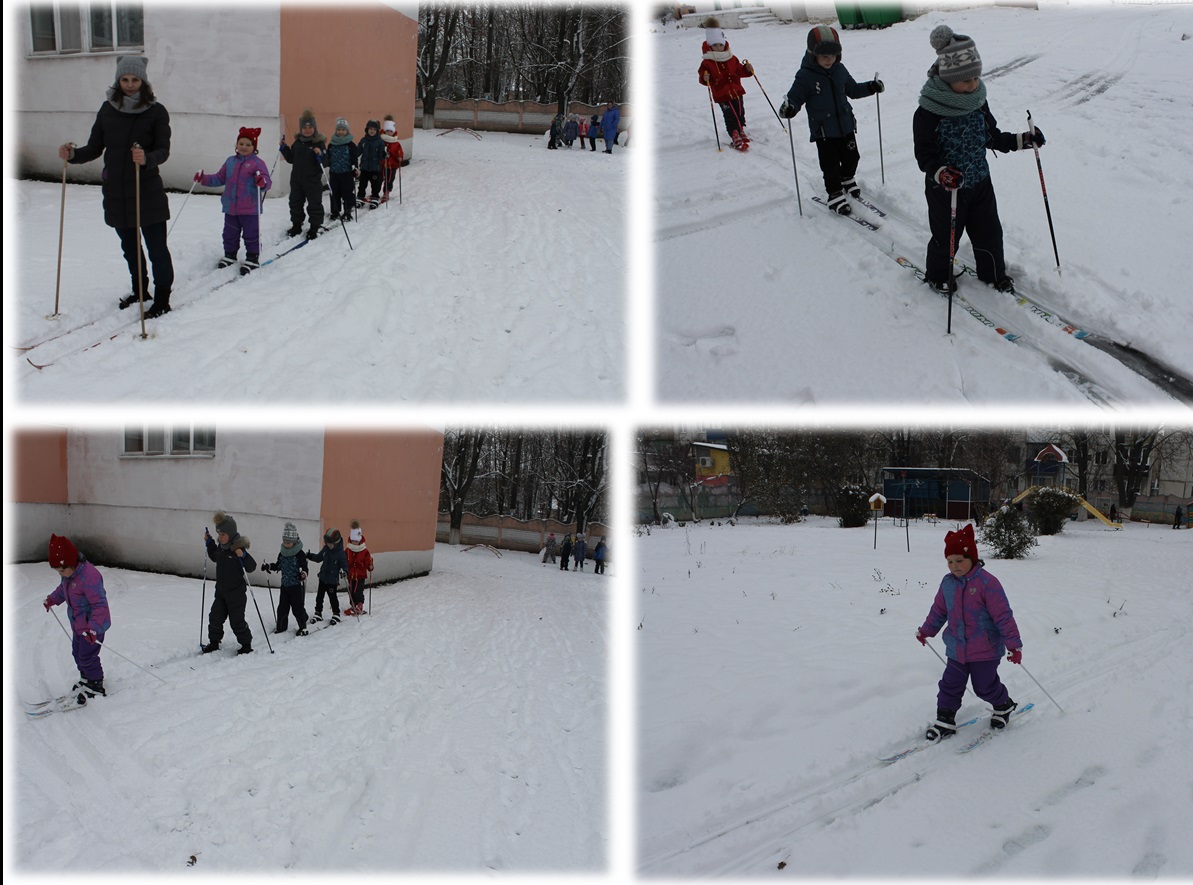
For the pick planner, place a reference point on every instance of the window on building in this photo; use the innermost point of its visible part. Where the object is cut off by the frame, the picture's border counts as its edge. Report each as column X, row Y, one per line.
column 66, row 28
column 182, row 440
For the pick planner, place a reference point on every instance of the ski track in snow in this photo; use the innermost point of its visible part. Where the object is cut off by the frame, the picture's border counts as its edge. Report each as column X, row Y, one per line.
column 499, row 250
column 800, row 293
column 459, row 727
column 776, row 684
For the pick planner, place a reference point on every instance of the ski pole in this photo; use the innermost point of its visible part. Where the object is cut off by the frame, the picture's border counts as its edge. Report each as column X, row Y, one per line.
column 795, row 171
column 1037, row 682
column 269, row 587
column 180, row 208
column 61, row 229
column 952, row 255
column 878, row 110
column 344, row 227
column 203, row 599
column 107, row 648
column 712, row 111
column 140, row 256
column 942, row 660
column 400, row 158
column 1031, row 128
column 370, row 596
column 248, row 584
column 768, row 101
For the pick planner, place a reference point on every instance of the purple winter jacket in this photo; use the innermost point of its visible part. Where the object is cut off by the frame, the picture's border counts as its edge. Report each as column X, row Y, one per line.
column 86, row 602
column 238, row 179
column 981, row 626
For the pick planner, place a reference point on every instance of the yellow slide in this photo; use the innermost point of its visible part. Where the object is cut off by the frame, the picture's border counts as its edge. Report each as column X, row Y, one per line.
column 1084, row 503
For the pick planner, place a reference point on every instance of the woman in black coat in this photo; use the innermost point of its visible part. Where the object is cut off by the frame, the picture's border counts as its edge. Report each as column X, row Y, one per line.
column 132, row 131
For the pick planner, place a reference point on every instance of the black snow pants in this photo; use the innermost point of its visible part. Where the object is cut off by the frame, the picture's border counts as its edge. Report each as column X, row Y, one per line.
column 838, row 160
column 229, row 606
column 977, row 215
column 292, row 599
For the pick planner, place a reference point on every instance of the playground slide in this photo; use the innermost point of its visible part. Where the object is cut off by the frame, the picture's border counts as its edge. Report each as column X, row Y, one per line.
column 1084, row 503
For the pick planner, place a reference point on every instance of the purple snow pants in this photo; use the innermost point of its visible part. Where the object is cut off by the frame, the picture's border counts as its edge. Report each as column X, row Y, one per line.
column 250, row 225
column 986, row 684
column 87, row 656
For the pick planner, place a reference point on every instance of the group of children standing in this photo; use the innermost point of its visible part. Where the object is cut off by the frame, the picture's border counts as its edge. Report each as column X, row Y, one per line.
column 566, row 131
column 575, row 550
column 952, row 128
column 352, row 171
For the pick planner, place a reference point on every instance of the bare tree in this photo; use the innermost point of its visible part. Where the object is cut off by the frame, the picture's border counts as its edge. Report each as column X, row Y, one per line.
column 462, row 451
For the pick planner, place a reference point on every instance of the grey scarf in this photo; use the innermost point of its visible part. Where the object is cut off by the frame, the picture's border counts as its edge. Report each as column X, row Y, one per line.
column 127, row 104
column 939, row 98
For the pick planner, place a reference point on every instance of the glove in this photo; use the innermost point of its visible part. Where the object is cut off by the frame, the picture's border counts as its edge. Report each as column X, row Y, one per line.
column 704, row 77
column 749, row 69
column 282, row 144
column 1015, row 656
column 49, row 605
column 265, row 567
column 199, row 176
column 876, row 86
column 949, row 177
column 786, row 110
column 919, row 635
column 302, row 575
column 260, row 181
column 355, row 172
column 1032, row 139
column 89, row 635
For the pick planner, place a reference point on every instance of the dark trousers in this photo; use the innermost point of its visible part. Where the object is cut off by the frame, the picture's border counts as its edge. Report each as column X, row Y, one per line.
column 341, row 192
column 838, row 160
column 154, row 236
column 356, row 590
column 734, row 111
column 977, row 214
column 331, row 591
column 599, row 567
column 86, row 656
column 308, row 195
column 229, row 607
column 563, row 561
column 369, row 181
column 986, row 684
column 292, row 599
column 247, row 225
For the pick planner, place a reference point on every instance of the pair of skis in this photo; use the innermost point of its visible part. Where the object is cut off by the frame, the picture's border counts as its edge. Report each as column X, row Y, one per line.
column 964, row 748
column 64, row 704
column 864, row 221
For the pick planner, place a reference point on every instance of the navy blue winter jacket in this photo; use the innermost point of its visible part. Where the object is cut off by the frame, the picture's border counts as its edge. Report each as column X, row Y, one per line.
column 827, row 94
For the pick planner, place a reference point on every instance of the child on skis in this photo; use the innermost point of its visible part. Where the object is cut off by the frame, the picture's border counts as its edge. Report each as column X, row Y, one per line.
column 393, row 156
column 580, row 551
column 334, row 563
column 565, row 552
column 360, row 569
column 372, row 155
column 979, row 629
column 81, row 587
column 953, row 128
column 721, row 72
column 341, row 159
column 825, row 85
column 599, row 554
column 232, row 563
column 291, row 564
column 550, row 549
column 306, row 178
column 245, row 180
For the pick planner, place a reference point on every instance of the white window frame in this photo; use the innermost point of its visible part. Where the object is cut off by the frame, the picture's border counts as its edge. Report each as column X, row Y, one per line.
column 80, row 16
column 168, row 441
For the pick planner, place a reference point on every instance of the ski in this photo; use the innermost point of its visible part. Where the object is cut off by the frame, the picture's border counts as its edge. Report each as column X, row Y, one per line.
column 1037, row 309
column 922, row 745
column 244, row 273
column 989, row 733
column 857, row 219
column 64, row 704
column 960, row 299
column 865, row 201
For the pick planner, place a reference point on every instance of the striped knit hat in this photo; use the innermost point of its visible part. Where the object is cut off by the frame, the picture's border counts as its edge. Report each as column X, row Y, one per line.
column 957, row 57
column 823, row 40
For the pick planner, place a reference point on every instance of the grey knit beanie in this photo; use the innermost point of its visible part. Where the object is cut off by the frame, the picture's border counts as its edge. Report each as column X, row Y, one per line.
column 957, row 57
column 132, row 64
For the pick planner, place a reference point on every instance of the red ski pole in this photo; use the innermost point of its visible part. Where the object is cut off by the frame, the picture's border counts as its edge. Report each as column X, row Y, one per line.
column 1047, row 209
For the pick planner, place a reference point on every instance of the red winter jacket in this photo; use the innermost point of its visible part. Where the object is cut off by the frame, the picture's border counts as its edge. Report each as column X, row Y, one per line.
column 360, row 561
column 724, row 75
column 393, row 152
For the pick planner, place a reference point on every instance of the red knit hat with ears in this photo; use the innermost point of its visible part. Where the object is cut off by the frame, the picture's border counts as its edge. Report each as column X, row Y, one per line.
column 63, row 554
column 251, row 134
column 961, row 543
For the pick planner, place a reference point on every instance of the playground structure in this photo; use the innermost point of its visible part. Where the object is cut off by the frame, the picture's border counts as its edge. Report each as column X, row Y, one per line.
column 1080, row 500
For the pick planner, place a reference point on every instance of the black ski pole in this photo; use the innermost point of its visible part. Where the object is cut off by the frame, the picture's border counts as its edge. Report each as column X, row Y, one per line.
column 1031, row 128
column 269, row 587
column 769, row 102
column 795, row 171
column 713, row 111
column 344, row 227
column 878, row 110
column 249, row 584
column 203, row 600
column 952, row 256
column 370, row 596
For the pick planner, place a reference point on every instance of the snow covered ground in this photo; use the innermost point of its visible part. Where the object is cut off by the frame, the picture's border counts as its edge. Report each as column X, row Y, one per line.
column 500, row 252
column 756, row 304
column 461, row 728
column 778, row 663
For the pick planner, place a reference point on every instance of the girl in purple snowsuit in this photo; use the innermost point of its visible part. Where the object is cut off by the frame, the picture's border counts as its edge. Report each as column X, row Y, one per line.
column 245, row 180
column 980, row 629
column 81, row 587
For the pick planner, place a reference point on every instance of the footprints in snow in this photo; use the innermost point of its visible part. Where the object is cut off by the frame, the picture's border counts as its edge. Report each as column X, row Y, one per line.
column 714, row 342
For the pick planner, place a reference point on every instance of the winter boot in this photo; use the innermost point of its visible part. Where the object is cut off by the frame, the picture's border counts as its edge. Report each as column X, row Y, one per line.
column 316, row 618
column 335, row 619
column 1006, row 284
column 944, row 726
column 945, row 288
column 302, row 631
column 838, row 203
column 294, row 231
column 245, row 650
column 210, row 647
column 228, row 260
column 251, row 263
column 334, row 216
column 850, row 187
column 313, row 232
column 129, row 300
column 1002, row 714
column 90, row 687
column 161, row 304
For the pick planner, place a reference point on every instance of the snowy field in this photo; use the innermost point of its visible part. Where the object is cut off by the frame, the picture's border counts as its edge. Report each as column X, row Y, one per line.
column 778, row 664
column 499, row 252
column 461, row 728
column 756, row 304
